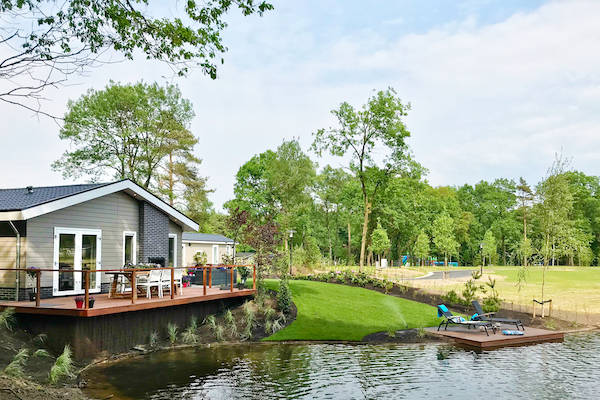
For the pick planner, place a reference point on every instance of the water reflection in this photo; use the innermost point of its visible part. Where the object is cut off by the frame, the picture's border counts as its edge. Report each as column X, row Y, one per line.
column 566, row 370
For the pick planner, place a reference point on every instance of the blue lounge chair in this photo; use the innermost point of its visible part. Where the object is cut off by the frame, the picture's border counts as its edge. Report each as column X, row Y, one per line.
column 450, row 318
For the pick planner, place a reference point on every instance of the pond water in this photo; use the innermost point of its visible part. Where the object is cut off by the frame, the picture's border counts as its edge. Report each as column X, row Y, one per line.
column 568, row 370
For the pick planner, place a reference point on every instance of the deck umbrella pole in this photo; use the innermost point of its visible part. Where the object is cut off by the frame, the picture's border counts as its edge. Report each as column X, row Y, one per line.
column 204, row 279
column 38, row 286
column 231, row 279
column 172, row 285
column 87, row 289
column 134, row 287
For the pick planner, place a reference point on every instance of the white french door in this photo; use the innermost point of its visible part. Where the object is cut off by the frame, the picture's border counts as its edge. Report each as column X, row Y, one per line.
column 76, row 250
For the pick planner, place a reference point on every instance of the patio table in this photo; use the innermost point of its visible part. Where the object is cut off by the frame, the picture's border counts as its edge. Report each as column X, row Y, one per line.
column 113, row 293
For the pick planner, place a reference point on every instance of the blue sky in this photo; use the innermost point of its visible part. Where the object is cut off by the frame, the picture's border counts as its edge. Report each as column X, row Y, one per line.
column 496, row 87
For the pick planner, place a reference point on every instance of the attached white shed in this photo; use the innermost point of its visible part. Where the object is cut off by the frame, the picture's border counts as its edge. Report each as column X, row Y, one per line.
column 213, row 245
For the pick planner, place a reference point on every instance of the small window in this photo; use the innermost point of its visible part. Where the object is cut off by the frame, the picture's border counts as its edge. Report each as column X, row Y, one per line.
column 172, row 251
column 129, row 248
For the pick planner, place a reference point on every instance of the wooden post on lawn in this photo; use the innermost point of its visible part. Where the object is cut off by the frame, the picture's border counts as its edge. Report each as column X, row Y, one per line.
column 204, row 279
column 254, row 277
column 231, row 278
column 86, row 304
column 134, row 287
column 172, row 284
column 38, row 286
column 210, row 277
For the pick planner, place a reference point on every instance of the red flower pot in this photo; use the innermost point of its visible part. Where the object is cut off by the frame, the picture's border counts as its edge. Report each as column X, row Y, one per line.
column 79, row 304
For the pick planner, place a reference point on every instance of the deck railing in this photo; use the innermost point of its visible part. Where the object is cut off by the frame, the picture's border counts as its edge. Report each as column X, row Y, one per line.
column 134, row 273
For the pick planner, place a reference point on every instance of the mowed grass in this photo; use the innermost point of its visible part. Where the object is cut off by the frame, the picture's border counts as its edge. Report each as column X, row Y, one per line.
column 329, row 311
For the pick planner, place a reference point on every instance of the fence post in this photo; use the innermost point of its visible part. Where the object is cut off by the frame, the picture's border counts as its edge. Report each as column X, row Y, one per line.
column 38, row 287
column 204, row 279
column 134, row 287
column 87, row 289
column 254, row 278
column 172, row 283
column 231, row 279
column 210, row 277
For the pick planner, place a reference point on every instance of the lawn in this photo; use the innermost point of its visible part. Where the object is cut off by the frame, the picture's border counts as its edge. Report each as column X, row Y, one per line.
column 329, row 311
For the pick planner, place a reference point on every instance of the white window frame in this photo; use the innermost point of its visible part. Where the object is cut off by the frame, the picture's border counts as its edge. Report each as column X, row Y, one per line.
column 78, row 277
column 134, row 250
column 174, row 236
column 215, row 247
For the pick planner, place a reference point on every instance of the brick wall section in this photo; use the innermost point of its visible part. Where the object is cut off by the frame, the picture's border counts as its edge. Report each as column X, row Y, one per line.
column 154, row 233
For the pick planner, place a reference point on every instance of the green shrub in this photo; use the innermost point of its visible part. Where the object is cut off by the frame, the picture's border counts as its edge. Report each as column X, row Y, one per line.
column 172, row 332
column 17, row 365
column 42, row 353
column 153, row 339
column 451, row 298
column 8, row 319
column 284, row 297
column 63, row 367
column 230, row 321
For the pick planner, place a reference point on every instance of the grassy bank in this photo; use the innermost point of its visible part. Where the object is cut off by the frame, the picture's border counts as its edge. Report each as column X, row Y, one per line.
column 336, row 312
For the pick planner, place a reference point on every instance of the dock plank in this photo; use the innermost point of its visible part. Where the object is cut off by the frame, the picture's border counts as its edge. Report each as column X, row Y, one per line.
column 479, row 339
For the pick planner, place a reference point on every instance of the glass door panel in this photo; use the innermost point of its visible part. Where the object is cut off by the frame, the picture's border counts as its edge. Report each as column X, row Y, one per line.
column 88, row 258
column 66, row 262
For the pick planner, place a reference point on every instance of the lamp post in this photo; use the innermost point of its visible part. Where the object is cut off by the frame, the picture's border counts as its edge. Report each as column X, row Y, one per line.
column 482, row 258
column 291, row 232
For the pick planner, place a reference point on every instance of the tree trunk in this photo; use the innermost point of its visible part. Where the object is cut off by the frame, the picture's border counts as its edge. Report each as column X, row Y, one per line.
column 445, row 259
column 171, row 181
column 363, row 242
column 349, row 244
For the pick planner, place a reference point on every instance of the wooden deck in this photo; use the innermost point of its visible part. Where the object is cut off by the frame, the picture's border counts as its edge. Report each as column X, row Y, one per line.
column 103, row 305
column 475, row 338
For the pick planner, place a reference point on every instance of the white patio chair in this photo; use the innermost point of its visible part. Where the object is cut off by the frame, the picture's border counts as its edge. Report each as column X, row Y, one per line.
column 152, row 280
column 177, row 279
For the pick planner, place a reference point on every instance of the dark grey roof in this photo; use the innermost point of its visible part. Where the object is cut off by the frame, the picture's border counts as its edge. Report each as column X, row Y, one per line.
column 20, row 199
column 205, row 237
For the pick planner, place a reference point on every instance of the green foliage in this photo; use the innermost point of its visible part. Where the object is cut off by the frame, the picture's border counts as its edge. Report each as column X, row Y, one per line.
column 489, row 245
column 443, row 236
column 451, row 297
column 153, row 339
column 16, row 367
column 284, row 297
column 380, row 242
column 190, row 335
column 200, row 258
column 63, row 367
column 421, row 247
column 8, row 319
column 42, row 353
column 172, row 331
column 230, row 323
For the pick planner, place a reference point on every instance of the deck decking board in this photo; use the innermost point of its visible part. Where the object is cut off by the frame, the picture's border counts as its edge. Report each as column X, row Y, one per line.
column 104, row 305
column 478, row 339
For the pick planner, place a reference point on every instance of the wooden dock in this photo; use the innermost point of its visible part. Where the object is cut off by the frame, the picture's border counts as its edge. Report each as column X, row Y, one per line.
column 478, row 339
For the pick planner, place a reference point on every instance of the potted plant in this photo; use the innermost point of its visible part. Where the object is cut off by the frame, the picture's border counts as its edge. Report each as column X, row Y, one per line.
column 79, row 301
column 91, row 301
column 31, row 282
column 200, row 258
column 186, row 280
column 244, row 274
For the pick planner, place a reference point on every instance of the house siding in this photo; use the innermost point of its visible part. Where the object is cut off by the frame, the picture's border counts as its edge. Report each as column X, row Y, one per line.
column 8, row 258
column 192, row 248
column 175, row 229
column 113, row 214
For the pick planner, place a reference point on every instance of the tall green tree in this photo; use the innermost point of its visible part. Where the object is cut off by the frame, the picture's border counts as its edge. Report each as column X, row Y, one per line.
column 489, row 247
column 421, row 248
column 374, row 132
column 380, row 243
column 47, row 42
column 443, row 236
